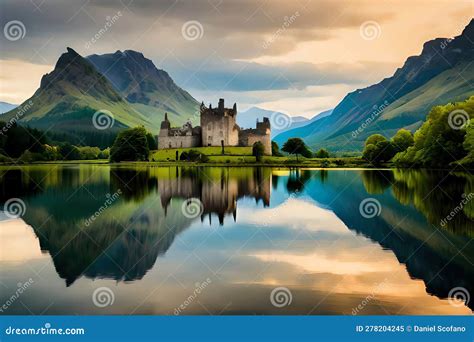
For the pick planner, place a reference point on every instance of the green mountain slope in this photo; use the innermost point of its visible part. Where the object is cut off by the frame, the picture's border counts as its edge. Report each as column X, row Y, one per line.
column 443, row 72
column 149, row 90
column 69, row 97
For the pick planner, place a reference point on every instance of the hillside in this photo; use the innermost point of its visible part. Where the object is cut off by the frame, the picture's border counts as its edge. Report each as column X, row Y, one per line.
column 149, row 90
column 69, row 96
column 5, row 107
column 441, row 73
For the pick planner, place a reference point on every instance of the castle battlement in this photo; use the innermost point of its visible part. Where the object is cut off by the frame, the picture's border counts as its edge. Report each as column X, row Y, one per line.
column 218, row 128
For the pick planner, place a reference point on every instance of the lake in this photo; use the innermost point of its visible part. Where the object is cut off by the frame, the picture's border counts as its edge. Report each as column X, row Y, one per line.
column 100, row 239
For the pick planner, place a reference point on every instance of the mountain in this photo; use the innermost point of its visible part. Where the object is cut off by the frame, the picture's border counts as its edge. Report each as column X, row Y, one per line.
column 302, row 126
column 443, row 72
column 149, row 90
column 5, row 107
column 70, row 95
column 248, row 118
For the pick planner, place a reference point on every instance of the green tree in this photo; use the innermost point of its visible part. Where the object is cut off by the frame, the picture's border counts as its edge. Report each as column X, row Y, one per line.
column 69, row 152
column 130, row 145
column 88, row 152
column 296, row 146
column 152, row 144
column 378, row 149
column 258, row 150
column 276, row 149
column 402, row 140
column 322, row 153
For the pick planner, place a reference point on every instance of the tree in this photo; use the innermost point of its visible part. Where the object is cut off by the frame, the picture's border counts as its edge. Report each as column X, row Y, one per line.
column 402, row 140
column 130, row 145
column 69, row 152
column 276, row 149
column 152, row 144
column 378, row 149
column 258, row 150
column 322, row 153
column 296, row 146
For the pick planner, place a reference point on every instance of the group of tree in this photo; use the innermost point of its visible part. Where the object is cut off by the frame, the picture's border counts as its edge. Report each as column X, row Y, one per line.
column 447, row 136
column 297, row 147
column 25, row 145
column 379, row 149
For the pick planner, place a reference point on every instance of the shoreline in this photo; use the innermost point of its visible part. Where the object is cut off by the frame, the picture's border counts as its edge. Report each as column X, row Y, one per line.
column 304, row 165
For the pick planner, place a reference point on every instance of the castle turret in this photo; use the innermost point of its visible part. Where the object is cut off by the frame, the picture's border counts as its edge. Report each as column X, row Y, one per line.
column 221, row 106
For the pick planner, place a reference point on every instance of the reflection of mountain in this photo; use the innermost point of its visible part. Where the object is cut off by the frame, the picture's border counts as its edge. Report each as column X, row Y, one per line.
column 125, row 239
column 438, row 257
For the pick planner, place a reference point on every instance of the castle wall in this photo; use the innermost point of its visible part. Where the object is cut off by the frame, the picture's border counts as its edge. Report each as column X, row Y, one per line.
column 178, row 141
column 248, row 137
column 217, row 128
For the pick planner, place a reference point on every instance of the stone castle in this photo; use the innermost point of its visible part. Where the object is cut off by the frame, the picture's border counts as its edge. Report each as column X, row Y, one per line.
column 218, row 128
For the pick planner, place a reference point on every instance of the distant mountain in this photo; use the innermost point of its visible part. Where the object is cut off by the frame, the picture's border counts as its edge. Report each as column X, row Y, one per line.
column 443, row 72
column 70, row 95
column 248, row 119
column 5, row 107
column 149, row 90
column 302, row 126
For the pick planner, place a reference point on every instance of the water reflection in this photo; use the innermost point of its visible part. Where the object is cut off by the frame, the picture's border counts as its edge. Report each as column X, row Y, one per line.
column 298, row 226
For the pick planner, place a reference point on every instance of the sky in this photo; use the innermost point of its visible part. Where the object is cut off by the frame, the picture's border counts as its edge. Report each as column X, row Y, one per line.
column 299, row 57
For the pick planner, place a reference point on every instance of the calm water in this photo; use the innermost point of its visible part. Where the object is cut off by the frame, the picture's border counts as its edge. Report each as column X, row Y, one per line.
column 101, row 240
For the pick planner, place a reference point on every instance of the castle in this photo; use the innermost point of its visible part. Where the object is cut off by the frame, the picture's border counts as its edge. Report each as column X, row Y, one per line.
column 218, row 128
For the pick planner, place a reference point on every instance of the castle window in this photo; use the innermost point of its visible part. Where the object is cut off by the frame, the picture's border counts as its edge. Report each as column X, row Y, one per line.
column 209, row 126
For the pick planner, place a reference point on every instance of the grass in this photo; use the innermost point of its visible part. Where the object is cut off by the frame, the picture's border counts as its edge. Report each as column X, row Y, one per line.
column 169, row 154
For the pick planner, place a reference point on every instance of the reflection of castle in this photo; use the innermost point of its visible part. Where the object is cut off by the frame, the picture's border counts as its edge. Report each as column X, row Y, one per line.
column 218, row 128
column 218, row 195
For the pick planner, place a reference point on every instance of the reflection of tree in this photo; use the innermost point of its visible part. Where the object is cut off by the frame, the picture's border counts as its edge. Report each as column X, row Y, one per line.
column 297, row 180
column 134, row 184
column 437, row 195
column 377, row 181
column 323, row 175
